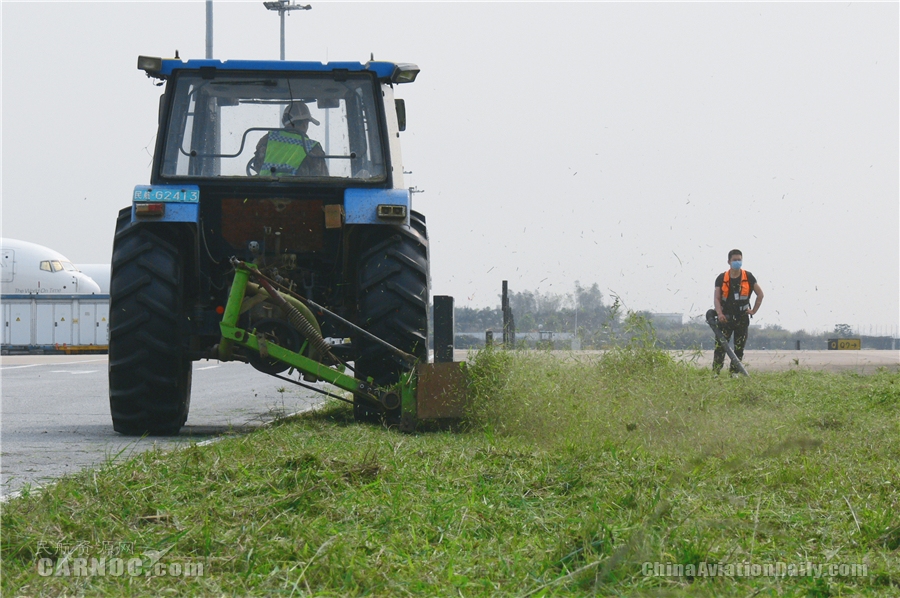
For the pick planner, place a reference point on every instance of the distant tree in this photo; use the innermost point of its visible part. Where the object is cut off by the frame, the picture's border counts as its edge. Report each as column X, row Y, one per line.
column 526, row 323
column 478, row 320
column 592, row 313
column 602, row 326
column 547, row 303
column 522, row 303
column 843, row 330
column 589, row 299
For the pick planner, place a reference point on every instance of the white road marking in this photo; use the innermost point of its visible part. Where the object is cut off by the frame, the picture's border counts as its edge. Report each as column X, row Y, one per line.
column 209, row 367
column 32, row 365
column 74, row 372
column 80, row 362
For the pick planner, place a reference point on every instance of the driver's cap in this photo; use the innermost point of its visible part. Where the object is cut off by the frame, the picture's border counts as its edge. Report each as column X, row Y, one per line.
column 297, row 111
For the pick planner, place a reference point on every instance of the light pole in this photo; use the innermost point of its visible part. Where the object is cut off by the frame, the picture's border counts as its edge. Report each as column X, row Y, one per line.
column 283, row 6
column 209, row 28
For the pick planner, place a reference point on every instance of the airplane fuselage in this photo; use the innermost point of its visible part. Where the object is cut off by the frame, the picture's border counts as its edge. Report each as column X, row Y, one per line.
column 32, row 269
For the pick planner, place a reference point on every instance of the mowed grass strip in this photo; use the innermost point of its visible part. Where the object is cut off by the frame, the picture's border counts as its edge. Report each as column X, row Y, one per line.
column 571, row 476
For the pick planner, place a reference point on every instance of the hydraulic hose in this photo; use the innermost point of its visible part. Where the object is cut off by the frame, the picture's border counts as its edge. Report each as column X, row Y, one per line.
column 410, row 360
column 314, row 353
column 302, row 322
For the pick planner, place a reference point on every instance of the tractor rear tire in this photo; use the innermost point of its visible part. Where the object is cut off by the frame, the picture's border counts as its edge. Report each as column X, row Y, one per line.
column 393, row 305
column 149, row 371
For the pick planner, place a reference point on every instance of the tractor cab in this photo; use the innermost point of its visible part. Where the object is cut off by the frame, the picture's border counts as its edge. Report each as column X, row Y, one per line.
column 329, row 124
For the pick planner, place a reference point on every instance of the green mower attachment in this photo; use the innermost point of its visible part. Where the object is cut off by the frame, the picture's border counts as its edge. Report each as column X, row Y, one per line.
column 426, row 393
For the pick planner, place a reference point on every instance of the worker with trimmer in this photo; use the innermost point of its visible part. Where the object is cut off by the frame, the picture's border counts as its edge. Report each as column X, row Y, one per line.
column 732, row 301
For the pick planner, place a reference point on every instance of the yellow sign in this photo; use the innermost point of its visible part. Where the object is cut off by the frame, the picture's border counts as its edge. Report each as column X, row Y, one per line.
column 853, row 344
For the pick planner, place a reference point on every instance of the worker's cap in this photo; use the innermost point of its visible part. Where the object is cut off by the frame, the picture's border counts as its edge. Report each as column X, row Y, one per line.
column 297, row 111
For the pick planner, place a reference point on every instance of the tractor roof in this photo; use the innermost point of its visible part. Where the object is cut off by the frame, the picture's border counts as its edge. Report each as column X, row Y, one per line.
column 393, row 72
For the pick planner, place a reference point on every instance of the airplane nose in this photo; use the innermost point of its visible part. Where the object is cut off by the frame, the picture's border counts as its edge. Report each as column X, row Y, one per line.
column 86, row 284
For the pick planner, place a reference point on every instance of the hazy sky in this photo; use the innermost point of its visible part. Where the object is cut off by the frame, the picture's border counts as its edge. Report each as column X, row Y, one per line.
column 631, row 145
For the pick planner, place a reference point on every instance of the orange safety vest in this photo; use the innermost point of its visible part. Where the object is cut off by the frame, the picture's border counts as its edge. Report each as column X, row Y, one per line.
column 743, row 298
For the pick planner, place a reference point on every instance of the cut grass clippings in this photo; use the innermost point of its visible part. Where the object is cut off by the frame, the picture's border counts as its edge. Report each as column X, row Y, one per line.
column 572, row 477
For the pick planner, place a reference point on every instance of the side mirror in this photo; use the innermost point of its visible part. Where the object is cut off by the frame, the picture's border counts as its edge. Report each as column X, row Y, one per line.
column 401, row 113
column 162, row 108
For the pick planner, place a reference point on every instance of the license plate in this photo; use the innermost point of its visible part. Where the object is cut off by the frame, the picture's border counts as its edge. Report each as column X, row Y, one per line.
column 167, row 193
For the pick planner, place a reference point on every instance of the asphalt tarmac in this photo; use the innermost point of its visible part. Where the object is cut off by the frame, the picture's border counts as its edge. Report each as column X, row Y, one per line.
column 861, row 362
column 54, row 413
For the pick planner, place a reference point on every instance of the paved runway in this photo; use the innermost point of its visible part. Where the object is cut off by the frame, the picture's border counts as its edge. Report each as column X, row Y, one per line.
column 862, row 362
column 55, row 413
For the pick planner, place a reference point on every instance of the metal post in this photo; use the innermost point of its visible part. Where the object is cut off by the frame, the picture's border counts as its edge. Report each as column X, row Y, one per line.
column 444, row 329
column 281, row 14
column 504, row 305
column 209, row 29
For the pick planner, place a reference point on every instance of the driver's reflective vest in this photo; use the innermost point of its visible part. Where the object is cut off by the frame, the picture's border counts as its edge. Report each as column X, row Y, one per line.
column 742, row 299
column 285, row 152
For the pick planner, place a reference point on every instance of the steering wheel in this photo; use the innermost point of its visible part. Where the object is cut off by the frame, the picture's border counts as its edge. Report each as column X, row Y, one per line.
column 251, row 168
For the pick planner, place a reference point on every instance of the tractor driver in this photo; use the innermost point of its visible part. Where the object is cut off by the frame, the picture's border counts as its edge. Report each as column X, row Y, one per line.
column 290, row 151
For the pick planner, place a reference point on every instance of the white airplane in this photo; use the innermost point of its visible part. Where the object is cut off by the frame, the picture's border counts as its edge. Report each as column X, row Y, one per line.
column 99, row 273
column 32, row 269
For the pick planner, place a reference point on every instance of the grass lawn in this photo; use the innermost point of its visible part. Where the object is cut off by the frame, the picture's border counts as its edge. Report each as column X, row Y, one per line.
column 623, row 474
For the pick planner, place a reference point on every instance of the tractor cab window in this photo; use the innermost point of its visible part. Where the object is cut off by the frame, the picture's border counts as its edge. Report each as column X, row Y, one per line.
column 275, row 126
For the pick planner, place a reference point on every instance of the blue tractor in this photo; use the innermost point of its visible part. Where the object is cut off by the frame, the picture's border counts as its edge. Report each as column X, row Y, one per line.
column 276, row 230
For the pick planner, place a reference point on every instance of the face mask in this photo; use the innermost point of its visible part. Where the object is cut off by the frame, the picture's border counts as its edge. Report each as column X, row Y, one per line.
column 736, row 264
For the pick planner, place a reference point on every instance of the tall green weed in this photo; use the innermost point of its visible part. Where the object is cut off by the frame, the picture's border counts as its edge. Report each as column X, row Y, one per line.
column 640, row 397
